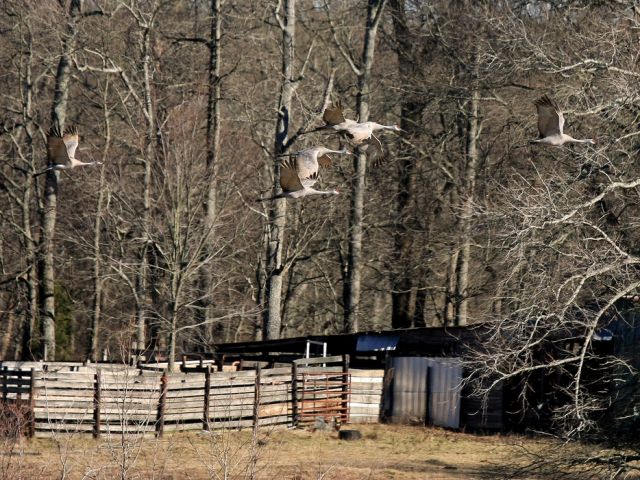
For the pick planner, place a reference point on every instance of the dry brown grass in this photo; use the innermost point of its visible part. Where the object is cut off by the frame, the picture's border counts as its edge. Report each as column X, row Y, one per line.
column 384, row 452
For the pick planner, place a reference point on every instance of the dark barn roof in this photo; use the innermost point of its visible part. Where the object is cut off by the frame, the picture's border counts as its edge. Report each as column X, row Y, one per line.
column 426, row 341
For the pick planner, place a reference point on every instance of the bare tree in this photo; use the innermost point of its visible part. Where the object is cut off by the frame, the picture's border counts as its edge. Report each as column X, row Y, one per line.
column 285, row 15
column 352, row 280
column 58, row 116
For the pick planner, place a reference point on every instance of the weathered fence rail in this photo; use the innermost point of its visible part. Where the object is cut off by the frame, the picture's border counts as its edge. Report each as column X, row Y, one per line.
column 108, row 399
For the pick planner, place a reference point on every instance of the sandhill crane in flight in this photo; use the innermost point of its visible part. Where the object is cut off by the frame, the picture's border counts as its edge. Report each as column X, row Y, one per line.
column 550, row 124
column 61, row 150
column 299, row 173
column 358, row 134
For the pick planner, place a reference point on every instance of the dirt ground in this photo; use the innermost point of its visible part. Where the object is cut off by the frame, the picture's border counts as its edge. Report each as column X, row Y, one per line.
column 383, row 452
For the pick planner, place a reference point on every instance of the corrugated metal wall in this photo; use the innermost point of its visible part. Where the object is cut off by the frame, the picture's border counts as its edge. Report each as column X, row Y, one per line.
column 426, row 388
column 409, row 399
column 445, row 379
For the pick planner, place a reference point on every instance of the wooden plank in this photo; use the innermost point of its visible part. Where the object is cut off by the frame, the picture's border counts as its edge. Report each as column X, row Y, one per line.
column 277, row 380
column 231, row 424
column 113, row 419
column 123, row 401
column 182, row 427
column 64, row 385
column 269, row 372
column 357, row 373
column 41, row 407
column 223, row 412
column 175, row 417
column 273, row 410
column 131, row 394
column 195, row 402
column 231, row 391
column 279, row 420
column 364, row 380
column 377, row 386
column 313, row 361
column 84, row 417
column 64, row 427
column 319, row 370
column 133, row 427
column 123, row 414
column 217, row 377
column 372, row 399
column 365, row 410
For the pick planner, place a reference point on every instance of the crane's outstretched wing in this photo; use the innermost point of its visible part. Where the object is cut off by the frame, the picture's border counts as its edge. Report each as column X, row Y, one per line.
column 70, row 139
column 306, row 163
column 550, row 118
column 373, row 149
column 333, row 115
column 310, row 180
column 289, row 179
column 57, row 153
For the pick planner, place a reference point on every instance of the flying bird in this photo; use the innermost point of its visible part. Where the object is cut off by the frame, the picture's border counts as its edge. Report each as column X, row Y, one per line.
column 550, row 124
column 299, row 173
column 61, row 150
column 357, row 134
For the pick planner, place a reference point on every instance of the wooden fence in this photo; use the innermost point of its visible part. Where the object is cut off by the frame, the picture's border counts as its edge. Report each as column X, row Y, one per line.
column 108, row 400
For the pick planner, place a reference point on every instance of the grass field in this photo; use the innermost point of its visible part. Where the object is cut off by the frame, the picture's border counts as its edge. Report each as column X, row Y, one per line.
column 384, row 452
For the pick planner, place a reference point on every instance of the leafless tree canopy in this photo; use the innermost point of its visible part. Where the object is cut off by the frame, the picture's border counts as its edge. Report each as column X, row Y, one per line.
column 162, row 248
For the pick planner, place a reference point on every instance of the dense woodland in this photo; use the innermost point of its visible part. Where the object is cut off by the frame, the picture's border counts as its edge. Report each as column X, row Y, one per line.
column 190, row 105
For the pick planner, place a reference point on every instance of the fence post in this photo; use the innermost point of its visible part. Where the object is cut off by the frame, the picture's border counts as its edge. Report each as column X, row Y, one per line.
column 345, row 387
column 32, row 404
column 294, row 394
column 256, row 399
column 19, row 386
column 207, row 393
column 96, row 404
column 162, row 404
column 5, row 379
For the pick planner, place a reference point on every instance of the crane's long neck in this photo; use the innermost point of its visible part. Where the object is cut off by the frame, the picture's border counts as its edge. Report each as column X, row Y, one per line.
column 75, row 162
column 328, row 150
column 570, row 139
column 378, row 126
column 313, row 191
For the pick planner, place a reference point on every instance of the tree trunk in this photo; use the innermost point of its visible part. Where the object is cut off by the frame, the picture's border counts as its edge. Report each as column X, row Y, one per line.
column 205, row 310
column 58, row 115
column 277, row 214
column 143, row 274
column 352, row 286
column 462, row 283
column 403, row 293
column 94, row 339
column 30, row 315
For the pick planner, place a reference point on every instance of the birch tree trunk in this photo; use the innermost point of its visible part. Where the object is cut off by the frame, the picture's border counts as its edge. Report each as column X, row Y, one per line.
column 143, row 274
column 94, row 339
column 462, row 282
column 277, row 214
column 352, row 286
column 58, row 116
